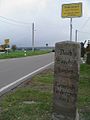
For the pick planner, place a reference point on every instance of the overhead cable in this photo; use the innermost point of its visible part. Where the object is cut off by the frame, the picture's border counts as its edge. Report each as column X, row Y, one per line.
column 12, row 23
column 85, row 23
column 15, row 21
column 80, row 31
column 83, row 32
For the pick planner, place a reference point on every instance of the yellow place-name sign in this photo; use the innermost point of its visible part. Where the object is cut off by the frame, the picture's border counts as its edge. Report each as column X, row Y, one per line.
column 7, row 41
column 72, row 10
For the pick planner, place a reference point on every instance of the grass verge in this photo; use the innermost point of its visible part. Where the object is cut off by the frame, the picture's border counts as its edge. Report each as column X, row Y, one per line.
column 18, row 54
column 84, row 92
column 33, row 101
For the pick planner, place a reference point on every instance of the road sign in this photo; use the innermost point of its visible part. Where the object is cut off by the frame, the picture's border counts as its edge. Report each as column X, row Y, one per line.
column 72, row 10
column 7, row 41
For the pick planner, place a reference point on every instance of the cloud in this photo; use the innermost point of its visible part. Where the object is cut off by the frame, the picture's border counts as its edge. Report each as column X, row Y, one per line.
column 46, row 14
column 11, row 7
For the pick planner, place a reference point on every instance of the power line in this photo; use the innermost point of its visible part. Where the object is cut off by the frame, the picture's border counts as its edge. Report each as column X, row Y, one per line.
column 85, row 23
column 15, row 21
column 83, row 32
column 15, row 24
column 80, row 31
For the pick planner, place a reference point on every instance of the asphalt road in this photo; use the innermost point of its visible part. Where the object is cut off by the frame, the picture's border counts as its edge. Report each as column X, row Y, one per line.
column 14, row 69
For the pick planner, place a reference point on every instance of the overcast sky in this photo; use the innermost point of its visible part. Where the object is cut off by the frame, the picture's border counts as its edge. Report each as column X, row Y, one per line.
column 50, row 27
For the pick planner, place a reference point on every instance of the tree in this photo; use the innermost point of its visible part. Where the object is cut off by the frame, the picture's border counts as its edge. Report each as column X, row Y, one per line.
column 14, row 47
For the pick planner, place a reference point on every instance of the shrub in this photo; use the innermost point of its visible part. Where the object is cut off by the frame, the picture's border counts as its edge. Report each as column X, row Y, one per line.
column 88, row 58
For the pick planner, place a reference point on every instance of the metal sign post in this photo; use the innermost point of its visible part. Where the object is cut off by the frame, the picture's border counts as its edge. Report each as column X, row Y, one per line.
column 76, row 35
column 70, row 29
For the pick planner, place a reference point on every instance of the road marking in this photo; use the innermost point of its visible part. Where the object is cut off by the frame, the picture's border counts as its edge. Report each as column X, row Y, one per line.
column 26, row 76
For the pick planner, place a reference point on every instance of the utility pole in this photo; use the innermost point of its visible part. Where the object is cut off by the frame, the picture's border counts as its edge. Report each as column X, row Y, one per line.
column 32, row 36
column 70, row 29
column 76, row 35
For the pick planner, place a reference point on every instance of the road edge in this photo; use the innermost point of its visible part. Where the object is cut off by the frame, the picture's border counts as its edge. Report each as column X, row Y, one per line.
column 14, row 84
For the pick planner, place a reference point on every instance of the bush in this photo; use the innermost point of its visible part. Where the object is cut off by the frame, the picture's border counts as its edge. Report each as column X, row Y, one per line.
column 88, row 58
column 14, row 47
column 82, row 49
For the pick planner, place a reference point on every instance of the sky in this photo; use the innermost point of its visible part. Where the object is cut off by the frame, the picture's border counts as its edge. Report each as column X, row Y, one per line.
column 17, row 16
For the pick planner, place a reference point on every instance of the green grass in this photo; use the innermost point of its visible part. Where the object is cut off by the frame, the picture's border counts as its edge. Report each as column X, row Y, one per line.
column 84, row 92
column 18, row 54
column 14, row 107
column 39, row 91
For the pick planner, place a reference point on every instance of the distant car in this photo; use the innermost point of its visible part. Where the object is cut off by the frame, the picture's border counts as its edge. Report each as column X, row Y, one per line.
column 53, row 50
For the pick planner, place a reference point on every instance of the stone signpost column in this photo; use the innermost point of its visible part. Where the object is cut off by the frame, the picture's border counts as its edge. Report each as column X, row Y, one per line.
column 66, row 72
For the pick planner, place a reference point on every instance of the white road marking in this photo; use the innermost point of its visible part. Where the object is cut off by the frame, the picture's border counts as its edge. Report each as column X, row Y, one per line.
column 26, row 76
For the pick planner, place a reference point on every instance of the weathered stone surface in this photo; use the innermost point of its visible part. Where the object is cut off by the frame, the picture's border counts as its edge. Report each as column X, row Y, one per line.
column 66, row 72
